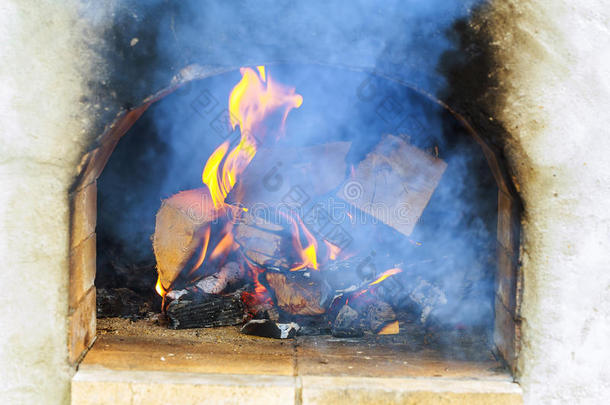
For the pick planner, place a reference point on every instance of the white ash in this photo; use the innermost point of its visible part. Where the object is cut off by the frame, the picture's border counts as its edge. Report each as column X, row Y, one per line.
column 175, row 294
column 428, row 297
column 218, row 282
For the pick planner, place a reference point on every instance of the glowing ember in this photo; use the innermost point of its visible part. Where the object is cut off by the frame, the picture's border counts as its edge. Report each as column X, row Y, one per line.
column 392, row 328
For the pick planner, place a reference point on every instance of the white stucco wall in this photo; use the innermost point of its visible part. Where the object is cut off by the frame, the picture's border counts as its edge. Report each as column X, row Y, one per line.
column 555, row 90
column 42, row 128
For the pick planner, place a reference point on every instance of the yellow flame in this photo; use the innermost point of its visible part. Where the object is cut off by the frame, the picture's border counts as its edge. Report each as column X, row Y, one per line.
column 251, row 101
column 307, row 255
column 261, row 71
column 210, row 175
column 310, row 257
column 159, row 288
column 385, row 275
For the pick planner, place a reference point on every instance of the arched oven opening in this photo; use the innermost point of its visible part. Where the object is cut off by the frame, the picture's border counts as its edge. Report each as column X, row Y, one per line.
column 340, row 209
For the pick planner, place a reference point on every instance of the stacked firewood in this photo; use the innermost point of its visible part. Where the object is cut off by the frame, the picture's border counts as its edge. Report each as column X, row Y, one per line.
column 240, row 263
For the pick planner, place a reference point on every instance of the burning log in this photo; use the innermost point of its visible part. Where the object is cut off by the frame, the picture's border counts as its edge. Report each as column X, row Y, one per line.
column 182, row 231
column 199, row 310
column 261, row 246
column 394, row 183
column 268, row 328
column 298, row 294
column 347, row 323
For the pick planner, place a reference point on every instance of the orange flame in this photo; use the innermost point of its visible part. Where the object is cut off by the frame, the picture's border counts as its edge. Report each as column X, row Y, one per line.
column 252, row 100
column 385, row 275
column 333, row 250
column 224, row 247
column 308, row 255
column 204, row 250
column 260, row 295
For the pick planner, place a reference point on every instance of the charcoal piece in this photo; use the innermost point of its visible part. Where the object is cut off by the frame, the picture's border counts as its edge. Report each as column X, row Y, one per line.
column 347, row 323
column 121, row 302
column 200, row 310
column 268, row 328
column 379, row 314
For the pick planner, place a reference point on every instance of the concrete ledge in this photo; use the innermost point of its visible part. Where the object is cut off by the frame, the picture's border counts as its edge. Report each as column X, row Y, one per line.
column 103, row 386
column 355, row 390
column 98, row 385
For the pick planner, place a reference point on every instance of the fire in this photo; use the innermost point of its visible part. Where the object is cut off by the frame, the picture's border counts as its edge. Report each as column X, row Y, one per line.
column 204, row 249
column 386, row 274
column 260, row 296
column 381, row 278
column 159, row 288
column 252, row 101
column 308, row 256
column 333, row 250
column 210, row 175
column 224, row 247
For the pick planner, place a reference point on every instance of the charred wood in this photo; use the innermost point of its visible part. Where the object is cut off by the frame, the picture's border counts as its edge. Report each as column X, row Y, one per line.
column 199, row 310
column 300, row 293
column 379, row 314
column 347, row 323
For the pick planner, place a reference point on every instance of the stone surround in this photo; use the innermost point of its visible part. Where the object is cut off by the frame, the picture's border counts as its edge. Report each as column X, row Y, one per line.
column 551, row 100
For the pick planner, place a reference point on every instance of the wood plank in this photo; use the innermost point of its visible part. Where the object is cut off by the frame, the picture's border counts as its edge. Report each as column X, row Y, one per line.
column 394, row 183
